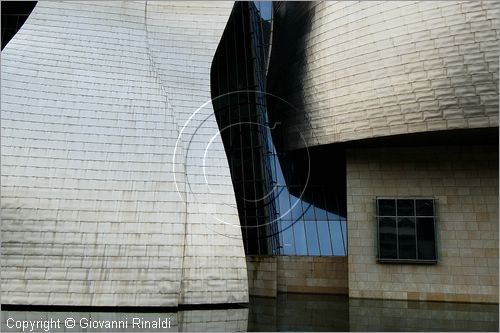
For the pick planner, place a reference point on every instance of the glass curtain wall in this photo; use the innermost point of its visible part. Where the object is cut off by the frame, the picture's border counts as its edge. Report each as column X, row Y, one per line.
column 274, row 221
column 238, row 86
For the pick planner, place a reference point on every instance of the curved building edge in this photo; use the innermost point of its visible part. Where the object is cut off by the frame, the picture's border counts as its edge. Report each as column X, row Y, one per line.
column 96, row 209
column 375, row 69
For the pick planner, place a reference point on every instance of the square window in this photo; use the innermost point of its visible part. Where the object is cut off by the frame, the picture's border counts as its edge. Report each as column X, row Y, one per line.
column 406, row 230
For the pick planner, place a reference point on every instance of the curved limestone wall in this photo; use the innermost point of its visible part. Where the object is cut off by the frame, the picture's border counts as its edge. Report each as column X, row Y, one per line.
column 369, row 69
column 115, row 187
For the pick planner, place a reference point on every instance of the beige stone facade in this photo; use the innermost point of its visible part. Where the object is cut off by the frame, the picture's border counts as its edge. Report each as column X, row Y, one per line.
column 464, row 182
column 270, row 275
column 368, row 315
column 368, row 79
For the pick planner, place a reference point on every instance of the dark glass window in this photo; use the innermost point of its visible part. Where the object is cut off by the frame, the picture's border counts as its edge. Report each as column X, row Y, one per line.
column 406, row 238
column 289, row 202
column 406, row 229
column 425, row 207
column 387, row 207
column 405, row 207
column 387, row 238
column 425, row 246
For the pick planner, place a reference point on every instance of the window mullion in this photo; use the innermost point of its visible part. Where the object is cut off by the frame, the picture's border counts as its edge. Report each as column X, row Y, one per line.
column 397, row 231
column 378, row 228
column 415, row 227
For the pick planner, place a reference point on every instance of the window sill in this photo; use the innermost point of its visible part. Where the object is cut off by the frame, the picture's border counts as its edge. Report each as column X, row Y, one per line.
column 407, row 261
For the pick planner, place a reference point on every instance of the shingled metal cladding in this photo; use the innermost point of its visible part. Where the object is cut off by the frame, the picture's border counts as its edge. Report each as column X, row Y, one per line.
column 97, row 97
column 358, row 70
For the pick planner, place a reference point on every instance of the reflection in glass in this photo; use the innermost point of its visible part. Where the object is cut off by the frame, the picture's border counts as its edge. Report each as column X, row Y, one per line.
column 283, row 200
column 288, row 240
column 333, row 217
column 308, row 211
column 406, row 238
column 321, row 214
column 405, row 207
column 424, row 207
column 278, row 217
column 312, row 238
column 410, row 234
column 317, row 231
column 324, row 238
column 425, row 232
column 343, row 233
column 386, row 207
column 296, row 208
column 265, row 9
column 300, row 238
column 387, row 238
column 339, row 248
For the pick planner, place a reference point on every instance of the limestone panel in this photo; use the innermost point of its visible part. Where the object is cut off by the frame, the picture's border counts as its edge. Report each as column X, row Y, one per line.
column 463, row 180
column 317, row 275
column 402, row 316
column 270, row 275
column 262, row 276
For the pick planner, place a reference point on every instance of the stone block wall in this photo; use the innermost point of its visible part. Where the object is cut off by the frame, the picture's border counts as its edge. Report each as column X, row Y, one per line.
column 464, row 182
column 269, row 275
column 316, row 275
column 262, row 273
column 393, row 316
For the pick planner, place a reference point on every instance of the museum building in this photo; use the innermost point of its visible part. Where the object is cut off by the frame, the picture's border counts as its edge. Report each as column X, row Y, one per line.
column 162, row 153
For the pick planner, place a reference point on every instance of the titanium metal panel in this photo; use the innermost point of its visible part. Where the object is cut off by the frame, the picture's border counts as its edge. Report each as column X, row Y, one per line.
column 97, row 98
column 358, row 70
